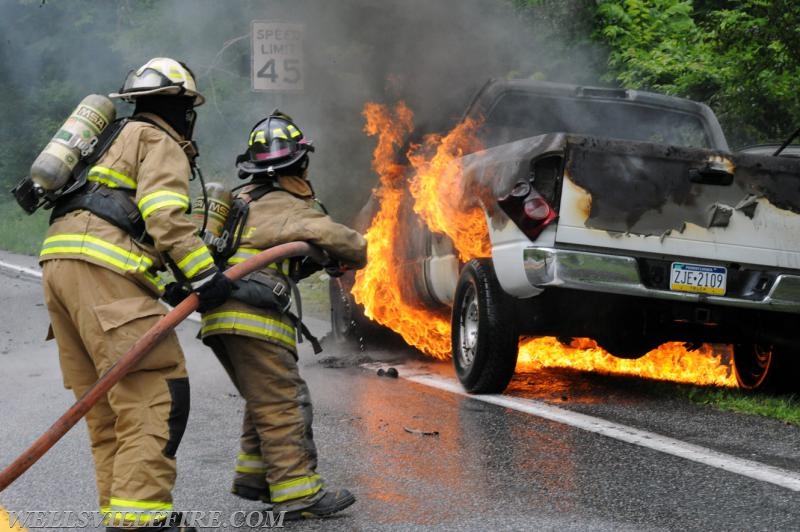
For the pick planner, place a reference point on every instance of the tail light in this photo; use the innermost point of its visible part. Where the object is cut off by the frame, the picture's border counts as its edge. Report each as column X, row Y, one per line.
column 536, row 208
column 530, row 204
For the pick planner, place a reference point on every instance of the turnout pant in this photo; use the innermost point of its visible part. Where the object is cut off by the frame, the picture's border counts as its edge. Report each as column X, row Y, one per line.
column 277, row 447
column 96, row 316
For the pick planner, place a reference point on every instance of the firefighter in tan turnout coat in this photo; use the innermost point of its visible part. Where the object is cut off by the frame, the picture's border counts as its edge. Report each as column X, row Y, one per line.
column 254, row 335
column 102, row 284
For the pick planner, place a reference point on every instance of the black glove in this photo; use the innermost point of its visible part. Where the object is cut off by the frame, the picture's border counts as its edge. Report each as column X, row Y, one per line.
column 335, row 269
column 213, row 289
column 175, row 293
column 303, row 268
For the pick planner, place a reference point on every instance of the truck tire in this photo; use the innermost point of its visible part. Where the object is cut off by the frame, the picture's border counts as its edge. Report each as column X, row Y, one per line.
column 484, row 331
column 343, row 311
column 348, row 322
column 766, row 368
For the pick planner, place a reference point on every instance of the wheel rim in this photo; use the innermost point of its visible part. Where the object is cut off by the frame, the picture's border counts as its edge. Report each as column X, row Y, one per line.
column 468, row 327
column 753, row 364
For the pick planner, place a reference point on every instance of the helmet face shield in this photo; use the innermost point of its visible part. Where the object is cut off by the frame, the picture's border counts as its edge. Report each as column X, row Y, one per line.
column 276, row 149
column 146, row 79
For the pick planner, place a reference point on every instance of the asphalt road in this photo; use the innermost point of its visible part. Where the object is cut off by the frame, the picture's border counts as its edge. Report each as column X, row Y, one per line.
column 420, row 455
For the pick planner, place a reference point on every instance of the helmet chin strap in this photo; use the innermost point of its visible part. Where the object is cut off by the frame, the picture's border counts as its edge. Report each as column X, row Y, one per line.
column 189, row 147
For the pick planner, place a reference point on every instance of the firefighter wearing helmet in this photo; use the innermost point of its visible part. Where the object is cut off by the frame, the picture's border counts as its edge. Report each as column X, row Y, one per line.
column 102, row 259
column 254, row 333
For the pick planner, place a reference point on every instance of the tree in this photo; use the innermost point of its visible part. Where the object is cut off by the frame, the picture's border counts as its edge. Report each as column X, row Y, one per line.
column 656, row 45
column 740, row 57
column 756, row 45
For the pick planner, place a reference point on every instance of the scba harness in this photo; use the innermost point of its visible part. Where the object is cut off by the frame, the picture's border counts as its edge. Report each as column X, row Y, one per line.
column 272, row 290
column 114, row 205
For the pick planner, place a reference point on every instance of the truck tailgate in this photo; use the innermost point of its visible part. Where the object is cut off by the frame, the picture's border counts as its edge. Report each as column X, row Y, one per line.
column 684, row 202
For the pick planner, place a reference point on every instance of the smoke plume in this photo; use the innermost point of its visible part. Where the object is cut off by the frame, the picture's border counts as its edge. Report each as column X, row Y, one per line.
column 431, row 54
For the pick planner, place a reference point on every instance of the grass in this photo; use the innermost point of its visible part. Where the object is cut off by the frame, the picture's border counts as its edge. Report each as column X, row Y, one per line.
column 314, row 294
column 22, row 233
column 785, row 408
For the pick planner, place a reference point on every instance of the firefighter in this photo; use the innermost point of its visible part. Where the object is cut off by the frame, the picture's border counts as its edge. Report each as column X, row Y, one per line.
column 254, row 333
column 101, row 262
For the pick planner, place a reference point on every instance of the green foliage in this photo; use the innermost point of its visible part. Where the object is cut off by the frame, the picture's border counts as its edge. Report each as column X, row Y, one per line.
column 315, row 297
column 39, row 83
column 757, row 49
column 741, row 57
column 656, row 45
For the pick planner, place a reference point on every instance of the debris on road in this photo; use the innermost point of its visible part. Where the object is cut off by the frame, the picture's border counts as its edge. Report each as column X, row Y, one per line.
column 421, row 432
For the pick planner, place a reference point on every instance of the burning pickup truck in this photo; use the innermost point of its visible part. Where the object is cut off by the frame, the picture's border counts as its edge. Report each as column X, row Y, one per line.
column 581, row 212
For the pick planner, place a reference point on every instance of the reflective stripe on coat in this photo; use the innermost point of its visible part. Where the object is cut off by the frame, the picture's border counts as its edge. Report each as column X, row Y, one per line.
column 148, row 160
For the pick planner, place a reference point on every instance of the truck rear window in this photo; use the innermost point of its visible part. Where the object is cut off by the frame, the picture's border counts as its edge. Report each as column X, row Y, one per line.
column 516, row 116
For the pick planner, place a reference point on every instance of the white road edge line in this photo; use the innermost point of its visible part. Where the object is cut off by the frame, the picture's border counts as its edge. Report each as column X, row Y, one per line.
column 748, row 468
column 21, row 270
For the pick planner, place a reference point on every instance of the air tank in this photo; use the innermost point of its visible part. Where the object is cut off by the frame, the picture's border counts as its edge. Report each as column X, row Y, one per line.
column 75, row 139
column 217, row 209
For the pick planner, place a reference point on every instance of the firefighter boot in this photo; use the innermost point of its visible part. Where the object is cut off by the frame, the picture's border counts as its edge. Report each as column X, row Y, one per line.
column 332, row 502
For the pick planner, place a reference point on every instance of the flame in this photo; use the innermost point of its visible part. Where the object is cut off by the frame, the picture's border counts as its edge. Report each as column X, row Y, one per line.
column 438, row 193
column 669, row 362
column 433, row 178
column 383, row 301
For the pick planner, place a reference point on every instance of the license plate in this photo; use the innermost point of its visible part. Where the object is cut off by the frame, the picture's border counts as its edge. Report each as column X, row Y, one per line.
column 698, row 279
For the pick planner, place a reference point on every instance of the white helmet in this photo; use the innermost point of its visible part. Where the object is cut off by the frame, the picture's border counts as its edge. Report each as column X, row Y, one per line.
column 160, row 75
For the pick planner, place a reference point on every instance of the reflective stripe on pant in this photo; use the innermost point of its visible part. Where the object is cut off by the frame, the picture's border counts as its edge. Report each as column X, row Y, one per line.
column 96, row 315
column 136, row 513
column 274, row 426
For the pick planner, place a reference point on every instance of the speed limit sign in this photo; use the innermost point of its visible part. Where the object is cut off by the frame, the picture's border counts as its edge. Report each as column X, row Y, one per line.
column 277, row 56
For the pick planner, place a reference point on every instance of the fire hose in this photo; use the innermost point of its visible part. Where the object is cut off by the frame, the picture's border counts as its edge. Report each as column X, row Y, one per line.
column 140, row 348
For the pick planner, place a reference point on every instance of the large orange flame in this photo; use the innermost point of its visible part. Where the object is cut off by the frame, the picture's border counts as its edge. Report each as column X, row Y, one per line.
column 377, row 287
column 434, row 182
column 669, row 362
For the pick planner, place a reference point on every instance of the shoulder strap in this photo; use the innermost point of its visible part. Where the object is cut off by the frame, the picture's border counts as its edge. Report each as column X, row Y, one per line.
column 258, row 190
column 113, row 205
column 104, row 141
column 226, row 245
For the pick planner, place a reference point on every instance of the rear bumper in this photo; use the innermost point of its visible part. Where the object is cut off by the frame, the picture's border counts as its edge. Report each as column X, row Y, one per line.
column 615, row 274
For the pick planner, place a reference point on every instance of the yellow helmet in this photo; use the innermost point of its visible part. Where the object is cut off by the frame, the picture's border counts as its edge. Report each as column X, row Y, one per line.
column 160, row 75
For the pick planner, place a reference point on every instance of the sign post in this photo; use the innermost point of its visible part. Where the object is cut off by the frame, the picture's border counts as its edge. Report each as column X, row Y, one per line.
column 277, row 56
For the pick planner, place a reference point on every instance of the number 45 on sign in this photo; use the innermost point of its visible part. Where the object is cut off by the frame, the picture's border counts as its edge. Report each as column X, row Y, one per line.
column 277, row 56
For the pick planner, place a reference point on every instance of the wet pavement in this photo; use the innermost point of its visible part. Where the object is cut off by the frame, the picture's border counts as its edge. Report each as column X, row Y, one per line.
column 417, row 457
